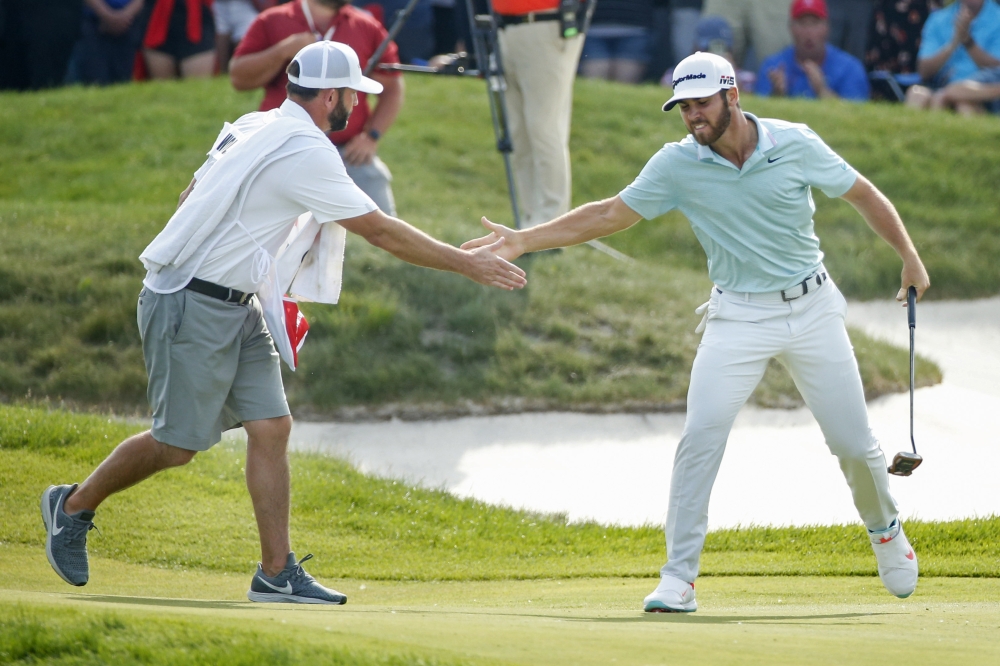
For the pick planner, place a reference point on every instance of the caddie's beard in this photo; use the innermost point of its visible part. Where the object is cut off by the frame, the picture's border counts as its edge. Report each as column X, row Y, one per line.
column 718, row 128
column 339, row 116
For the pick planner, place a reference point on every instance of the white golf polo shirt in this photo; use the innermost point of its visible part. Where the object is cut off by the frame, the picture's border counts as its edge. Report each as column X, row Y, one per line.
column 755, row 223
column 310, row 180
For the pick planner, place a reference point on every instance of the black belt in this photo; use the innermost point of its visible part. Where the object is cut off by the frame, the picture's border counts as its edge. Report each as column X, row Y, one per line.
column 217, row 291
column 503, row 20
column 790, row 295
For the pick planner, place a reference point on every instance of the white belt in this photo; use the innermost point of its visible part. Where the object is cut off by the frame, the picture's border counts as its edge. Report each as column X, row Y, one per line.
column 810, row 285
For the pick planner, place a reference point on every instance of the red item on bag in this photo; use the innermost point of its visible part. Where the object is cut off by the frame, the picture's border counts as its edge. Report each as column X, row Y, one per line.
column 296, row 326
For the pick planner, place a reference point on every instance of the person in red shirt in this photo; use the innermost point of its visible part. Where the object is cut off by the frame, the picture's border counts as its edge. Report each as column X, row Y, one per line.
column 274, row 38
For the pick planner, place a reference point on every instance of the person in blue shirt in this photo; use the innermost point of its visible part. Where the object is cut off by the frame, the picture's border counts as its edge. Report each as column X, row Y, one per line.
column 959, row 43
column 811, row 67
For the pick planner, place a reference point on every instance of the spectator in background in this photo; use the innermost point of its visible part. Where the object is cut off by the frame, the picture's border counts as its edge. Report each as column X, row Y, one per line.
column 895, row 35
column 180, row 40
column 759, row 27
column 617, row 47
column 684, row 17
column 415, row 40
column 974, row 95
column 110, row 37
column 957, row 43
column 274, row 38
column 37, row 42
column 540, row 65
column 850, row 25
column 232, row 18
column 811, row 67
column 445, row 25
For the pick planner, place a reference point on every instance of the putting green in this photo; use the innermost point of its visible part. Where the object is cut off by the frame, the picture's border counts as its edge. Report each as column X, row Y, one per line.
column 743, row 620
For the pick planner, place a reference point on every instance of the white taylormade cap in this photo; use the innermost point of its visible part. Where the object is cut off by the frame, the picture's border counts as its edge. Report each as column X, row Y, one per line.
column 701, row 75
column 331, row 65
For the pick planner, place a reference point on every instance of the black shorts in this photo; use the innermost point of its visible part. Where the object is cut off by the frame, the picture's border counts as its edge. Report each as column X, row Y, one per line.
column 177, row 43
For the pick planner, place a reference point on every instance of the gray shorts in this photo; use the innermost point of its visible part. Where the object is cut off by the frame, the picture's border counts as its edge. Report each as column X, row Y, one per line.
column 375, row 180
column 211, row 366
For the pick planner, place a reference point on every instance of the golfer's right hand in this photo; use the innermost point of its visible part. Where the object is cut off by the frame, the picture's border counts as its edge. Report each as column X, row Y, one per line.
column 489, row 268
column 511, row 249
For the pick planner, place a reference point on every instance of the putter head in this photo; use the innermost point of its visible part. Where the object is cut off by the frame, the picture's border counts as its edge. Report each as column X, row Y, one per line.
column 904, row 463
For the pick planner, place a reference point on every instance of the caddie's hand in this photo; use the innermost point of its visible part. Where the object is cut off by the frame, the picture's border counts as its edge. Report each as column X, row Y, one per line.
column 295, row 43
column 488, row 268
column 512, row 247
column 913, row 274
column 360, row 149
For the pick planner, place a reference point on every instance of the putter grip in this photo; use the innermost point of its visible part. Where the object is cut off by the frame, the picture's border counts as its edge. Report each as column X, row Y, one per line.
column 911, row 306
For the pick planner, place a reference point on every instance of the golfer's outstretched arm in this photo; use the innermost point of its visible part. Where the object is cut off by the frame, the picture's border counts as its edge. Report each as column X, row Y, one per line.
column 589, row 221
column 408, row 243
column 882, row 217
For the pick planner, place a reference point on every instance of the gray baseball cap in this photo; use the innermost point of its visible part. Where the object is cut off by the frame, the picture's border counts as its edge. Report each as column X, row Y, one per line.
column 332, row 65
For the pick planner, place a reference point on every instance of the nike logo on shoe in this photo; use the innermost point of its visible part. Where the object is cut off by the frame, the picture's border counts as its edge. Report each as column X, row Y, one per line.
column 885, row 539
column 909, row 555
column 287, row 589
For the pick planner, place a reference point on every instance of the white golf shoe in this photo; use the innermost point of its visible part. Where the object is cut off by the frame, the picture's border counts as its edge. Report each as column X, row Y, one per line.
column 672, row 595
column 897, row 563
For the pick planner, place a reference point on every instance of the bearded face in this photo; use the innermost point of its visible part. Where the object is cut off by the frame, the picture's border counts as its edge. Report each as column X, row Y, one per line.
column 340, row 114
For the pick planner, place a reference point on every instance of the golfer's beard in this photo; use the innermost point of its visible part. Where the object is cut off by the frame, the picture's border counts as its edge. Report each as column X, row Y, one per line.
column 338, row 117
column 718, row 129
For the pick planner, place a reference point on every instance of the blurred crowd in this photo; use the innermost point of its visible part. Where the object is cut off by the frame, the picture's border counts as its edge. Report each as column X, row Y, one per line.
column 931, row 53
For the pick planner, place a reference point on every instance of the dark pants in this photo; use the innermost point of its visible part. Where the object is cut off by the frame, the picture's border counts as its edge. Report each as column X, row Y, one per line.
column 105, row 59
column 37, row 41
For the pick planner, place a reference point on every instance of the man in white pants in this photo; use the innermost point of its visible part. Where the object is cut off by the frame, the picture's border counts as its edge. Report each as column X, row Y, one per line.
column 744, row 184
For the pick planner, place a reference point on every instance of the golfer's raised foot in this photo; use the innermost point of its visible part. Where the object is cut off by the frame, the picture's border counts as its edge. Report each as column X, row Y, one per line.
column 672, row 595
column 292, row 586
column 897, row 563
column 66, row 536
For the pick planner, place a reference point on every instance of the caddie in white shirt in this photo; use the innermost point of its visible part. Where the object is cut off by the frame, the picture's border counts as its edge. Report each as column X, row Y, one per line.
column 744, row 184
column 266, row 214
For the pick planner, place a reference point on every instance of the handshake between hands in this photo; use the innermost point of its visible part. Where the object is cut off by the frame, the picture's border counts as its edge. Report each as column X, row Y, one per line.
column 492, row 255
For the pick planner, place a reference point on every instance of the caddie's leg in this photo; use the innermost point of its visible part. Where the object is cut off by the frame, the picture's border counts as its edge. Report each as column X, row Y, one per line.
column 821, row 361
column 268, row 481
column 730, row 362
column 135, row 459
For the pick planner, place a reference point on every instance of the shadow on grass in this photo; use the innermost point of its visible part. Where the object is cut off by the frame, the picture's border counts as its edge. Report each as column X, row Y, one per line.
column 173, row 603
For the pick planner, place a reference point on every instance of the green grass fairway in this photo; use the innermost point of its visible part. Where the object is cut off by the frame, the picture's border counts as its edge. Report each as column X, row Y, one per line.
column 137, row 614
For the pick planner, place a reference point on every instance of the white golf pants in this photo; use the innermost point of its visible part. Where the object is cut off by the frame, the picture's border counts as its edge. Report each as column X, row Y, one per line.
column 743, row 332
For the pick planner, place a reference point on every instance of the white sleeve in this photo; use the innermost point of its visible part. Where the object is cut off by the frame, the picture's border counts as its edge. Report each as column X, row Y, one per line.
column 319, row 182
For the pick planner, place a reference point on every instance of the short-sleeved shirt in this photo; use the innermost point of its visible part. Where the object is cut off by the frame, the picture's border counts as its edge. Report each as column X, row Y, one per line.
column 845, row 75
column 351, row 26
column 939, row 30
column 754, row 223
column 311, row 180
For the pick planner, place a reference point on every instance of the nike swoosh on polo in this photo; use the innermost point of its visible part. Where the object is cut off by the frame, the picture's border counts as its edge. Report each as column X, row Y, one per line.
column 287, row 589
column 770, row 161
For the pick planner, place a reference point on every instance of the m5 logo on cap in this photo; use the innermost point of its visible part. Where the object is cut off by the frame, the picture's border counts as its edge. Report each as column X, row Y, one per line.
column 725, row 80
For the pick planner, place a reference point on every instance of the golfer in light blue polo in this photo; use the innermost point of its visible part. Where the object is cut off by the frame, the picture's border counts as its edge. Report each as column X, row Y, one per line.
column 745, row 184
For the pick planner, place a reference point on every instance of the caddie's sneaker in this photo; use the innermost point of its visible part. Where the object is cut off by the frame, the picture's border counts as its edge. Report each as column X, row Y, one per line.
column 897, row 563
column 292, row 586
column 672, row 595
column 66, row 536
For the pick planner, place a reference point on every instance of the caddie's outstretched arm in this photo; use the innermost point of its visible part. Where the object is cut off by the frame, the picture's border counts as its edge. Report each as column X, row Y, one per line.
column 882, row 217
column 585, row 223
column 408, row 243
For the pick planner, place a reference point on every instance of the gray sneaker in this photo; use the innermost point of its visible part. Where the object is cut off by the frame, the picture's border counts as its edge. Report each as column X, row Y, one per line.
column 292, row 586
column 66, row 536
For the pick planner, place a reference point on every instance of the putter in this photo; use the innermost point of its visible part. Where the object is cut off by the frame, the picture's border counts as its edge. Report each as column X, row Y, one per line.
column 905, row 462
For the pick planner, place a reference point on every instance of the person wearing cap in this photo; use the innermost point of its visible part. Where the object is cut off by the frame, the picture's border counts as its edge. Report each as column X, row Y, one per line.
column 811, row 67
column 209, row 340
column 745, row 185
column 958, row 43
column 278, row 33
column 540, row 59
